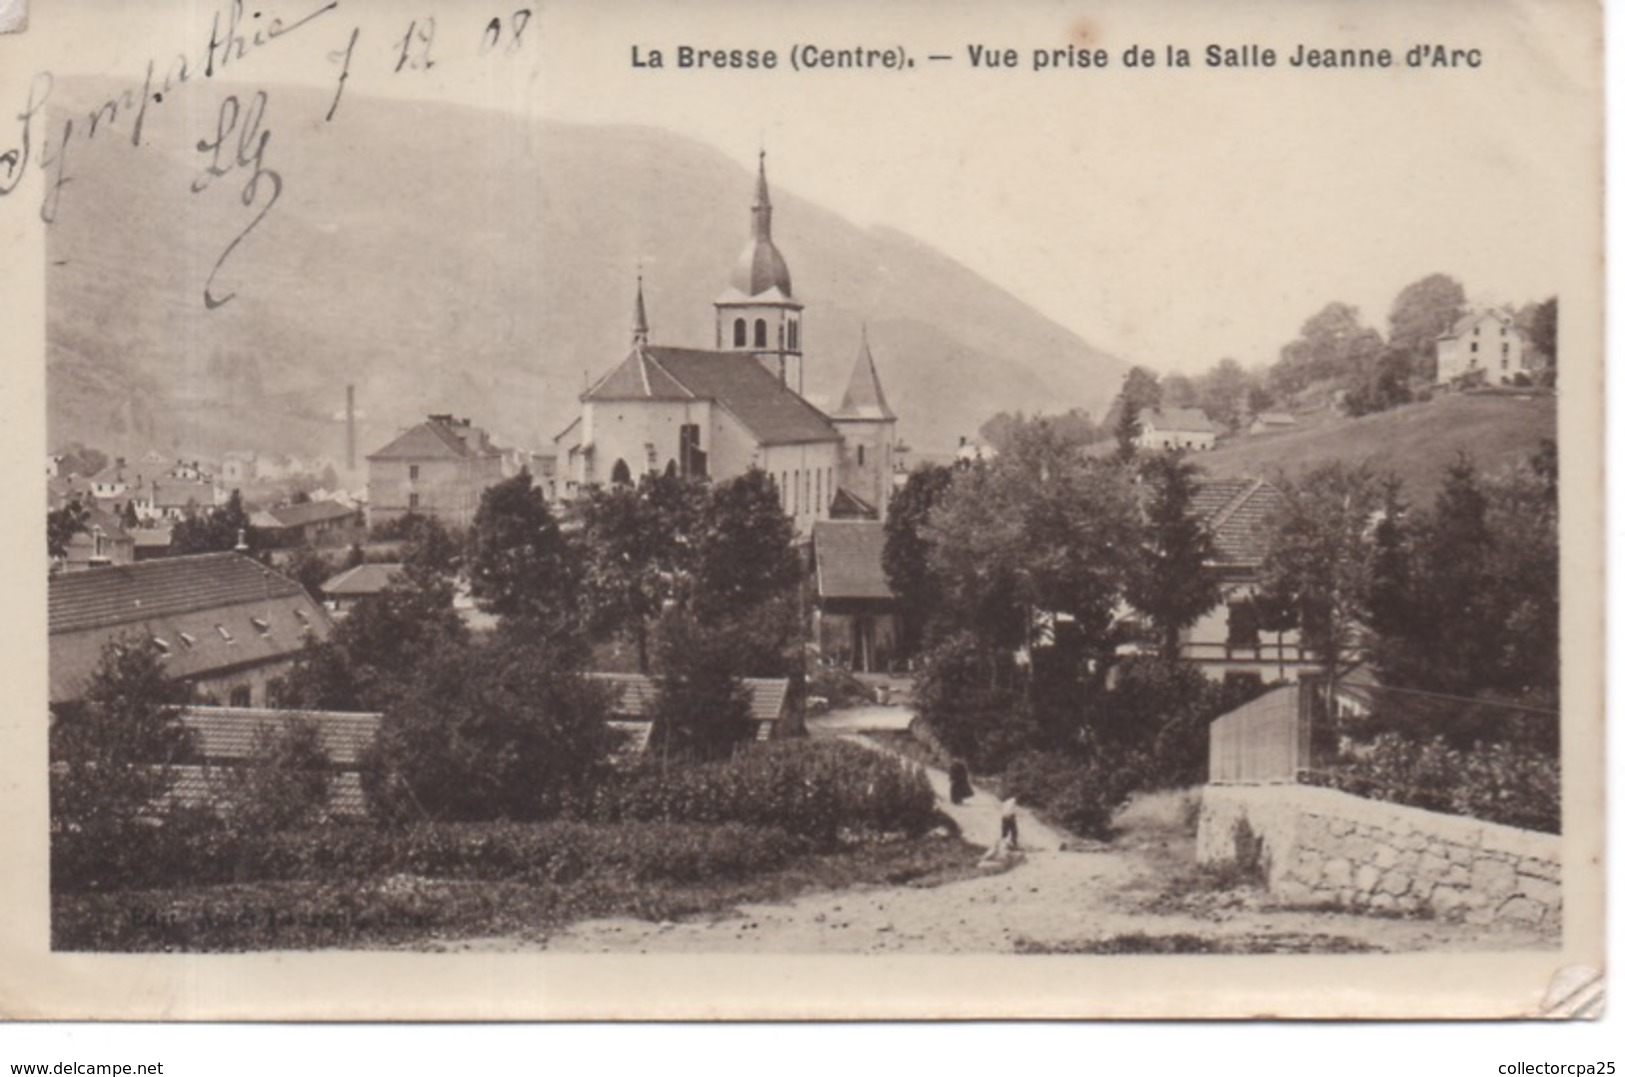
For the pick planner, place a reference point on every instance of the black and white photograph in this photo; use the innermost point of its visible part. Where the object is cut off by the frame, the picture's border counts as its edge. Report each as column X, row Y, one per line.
column 762, row 511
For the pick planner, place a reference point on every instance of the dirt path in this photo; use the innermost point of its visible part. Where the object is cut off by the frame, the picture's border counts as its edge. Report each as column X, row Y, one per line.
column 1063, row 895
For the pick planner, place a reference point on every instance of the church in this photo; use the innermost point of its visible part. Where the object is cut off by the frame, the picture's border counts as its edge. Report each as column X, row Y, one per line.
column 714, row 413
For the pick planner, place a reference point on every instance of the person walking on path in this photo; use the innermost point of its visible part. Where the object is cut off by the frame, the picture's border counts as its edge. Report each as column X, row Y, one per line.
column 959, row 789
column 1007, row 823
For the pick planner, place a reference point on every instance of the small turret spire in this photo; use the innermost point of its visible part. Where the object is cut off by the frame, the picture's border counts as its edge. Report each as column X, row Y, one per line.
column 640, row 319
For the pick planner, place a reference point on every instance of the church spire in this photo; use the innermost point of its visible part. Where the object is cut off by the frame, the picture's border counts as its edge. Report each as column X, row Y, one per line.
column 640, row 320
column 864, row 398
column 761, row 211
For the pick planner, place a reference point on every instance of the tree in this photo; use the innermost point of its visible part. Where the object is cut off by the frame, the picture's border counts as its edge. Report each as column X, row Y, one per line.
column 702, row 704
column 1320, row 556
column 61, row 525
column 370, row 660
column 520, row 565
column 1331, row 344
column 285, row 781
column 1421, row 312
column 1386, row 385
column 308, row 568
column 112, row 757
column 1223, row 393
column 507, row 729
column 215, row 530
column 1178, row 391
column 1140, row 392
column 906, row 557
column 1543, row 332
column 639, row 548
column 744, row 553
column 1170, row 583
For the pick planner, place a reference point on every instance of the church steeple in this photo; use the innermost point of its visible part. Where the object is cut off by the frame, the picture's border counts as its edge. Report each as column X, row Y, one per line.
column 864, row 398
column 640, row 320
column 758, row 313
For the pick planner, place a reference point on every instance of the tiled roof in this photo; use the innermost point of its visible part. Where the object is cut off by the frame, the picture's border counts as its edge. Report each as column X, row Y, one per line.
column 773, row 413
column 227, row 734
column 152, row 537
column 767, row 695
column 846, row 505
column 210, row 611
column 1237, row 513
column 848, row 559
column 209, row 785
column 178, row 494
column 367, row 579
column 1191, row 420
column 431, row 440
column 1467, row 321
column 864, row 398
column 311, row 512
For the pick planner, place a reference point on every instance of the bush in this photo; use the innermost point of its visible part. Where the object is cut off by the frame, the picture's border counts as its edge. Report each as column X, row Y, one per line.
column 814, row 790
column 1498, row 783
column 1081, row 795
column 285, row 782
column 972, row 714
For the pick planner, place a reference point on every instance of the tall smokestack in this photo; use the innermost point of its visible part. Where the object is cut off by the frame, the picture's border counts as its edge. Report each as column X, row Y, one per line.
column 349, row 428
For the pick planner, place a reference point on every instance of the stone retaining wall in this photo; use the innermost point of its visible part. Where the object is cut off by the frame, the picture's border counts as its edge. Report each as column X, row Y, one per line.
column 1324, row 846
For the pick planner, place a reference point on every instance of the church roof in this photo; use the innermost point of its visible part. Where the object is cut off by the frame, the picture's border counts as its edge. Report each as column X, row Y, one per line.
column 773, row 413
column 761, row 267
column 864, row 398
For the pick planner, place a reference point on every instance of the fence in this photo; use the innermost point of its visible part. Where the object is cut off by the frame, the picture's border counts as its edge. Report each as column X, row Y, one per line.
column 1260, row 742
column 1494, row 760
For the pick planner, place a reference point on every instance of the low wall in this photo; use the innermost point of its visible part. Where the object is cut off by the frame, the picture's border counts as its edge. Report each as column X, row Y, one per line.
column 1320, row 845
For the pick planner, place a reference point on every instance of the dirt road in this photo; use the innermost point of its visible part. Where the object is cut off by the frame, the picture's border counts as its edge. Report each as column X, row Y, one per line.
column 1139, row 892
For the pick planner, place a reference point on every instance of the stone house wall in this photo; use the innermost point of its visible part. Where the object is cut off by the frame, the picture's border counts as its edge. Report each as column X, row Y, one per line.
column 1319, row 845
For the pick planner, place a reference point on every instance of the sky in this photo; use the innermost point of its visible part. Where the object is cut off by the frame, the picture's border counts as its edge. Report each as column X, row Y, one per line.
column 1169, row 216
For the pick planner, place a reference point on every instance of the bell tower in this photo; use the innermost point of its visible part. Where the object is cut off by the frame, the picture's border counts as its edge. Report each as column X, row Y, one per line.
column 758, row 313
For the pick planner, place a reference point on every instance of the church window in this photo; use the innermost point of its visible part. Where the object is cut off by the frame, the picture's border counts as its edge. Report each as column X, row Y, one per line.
column 411, row 502
column 797, row 494
column 795, row 336
column 412, row 472
column 818, row 503
column 761, row 332
column 620, row 474
column 860, row 455
column 739, row 332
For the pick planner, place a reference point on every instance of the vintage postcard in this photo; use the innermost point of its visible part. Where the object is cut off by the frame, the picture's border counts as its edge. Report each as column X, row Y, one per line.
column 559, row 511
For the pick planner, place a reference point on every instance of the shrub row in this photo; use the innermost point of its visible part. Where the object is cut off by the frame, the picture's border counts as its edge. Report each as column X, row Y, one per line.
column 1498, row 783
column 816, row 789
column 189, row 852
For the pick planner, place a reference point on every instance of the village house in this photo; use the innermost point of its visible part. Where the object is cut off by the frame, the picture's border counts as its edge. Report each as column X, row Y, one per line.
column 1176, row 428
column 313, row 523
column 1485, row 347
column 855, row 617
column 343, row 590
column 716, row 413
column 1231, row 641
column 225, row 624
column 438, row 468
column 100, row 542
column 1272, row 422
column 632, row 712
column 225, row 739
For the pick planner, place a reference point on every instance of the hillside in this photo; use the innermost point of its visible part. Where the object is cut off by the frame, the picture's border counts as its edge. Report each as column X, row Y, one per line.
column 448, row 259
column 1416, row 442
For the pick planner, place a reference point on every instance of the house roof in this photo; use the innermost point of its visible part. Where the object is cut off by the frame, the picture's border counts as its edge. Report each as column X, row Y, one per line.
column 152, row 537
column 210, row 611
column 360, row 580
column 209, row 785
column 1467, row 321
column 846, row 505
column 1237, row 514
column 310, row 512
column 847, row 557
column 1275, row 418
column 864, row 398
column 1189, row 420
column 177, row 495
column 433, row 439
column 767, row 695
column 772, row 412
column 227, row 734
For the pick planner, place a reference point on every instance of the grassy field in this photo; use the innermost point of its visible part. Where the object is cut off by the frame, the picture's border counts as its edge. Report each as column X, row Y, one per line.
column 1416, row 442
